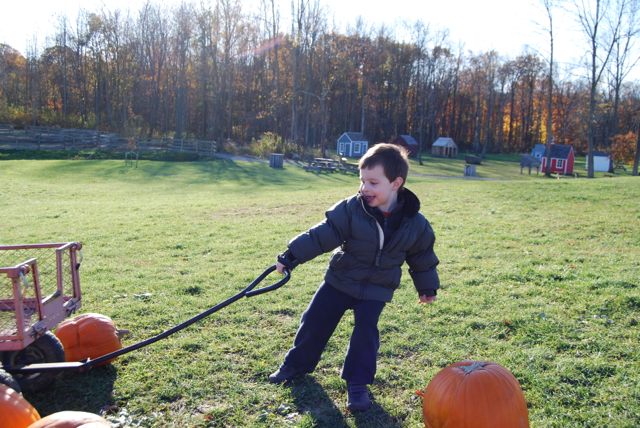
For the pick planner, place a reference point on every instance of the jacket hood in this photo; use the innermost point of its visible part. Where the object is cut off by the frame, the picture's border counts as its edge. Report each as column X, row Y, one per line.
column 411, row 203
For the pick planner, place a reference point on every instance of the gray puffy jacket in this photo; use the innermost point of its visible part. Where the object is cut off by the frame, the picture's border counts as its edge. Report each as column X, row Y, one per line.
column 362, row 264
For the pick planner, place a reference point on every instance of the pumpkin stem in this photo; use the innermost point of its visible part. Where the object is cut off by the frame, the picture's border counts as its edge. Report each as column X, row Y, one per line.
column 121, row 333
column 475, row 365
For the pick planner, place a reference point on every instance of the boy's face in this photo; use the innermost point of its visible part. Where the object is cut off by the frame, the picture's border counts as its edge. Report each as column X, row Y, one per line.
column 377, row 190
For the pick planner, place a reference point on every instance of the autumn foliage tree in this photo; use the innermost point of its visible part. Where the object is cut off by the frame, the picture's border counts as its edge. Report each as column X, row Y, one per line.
column 623, row 149
column 216, row 71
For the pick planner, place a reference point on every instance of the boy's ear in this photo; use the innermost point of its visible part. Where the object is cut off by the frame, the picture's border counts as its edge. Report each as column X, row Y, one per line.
column 397, row 183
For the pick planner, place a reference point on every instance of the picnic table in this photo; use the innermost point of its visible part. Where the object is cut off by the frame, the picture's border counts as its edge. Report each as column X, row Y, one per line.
column 321, row 164
column 346, row 167
column 619, row 165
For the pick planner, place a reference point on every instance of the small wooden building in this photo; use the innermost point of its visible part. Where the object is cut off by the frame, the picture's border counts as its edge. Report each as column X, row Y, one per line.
column 601, row 161
column 444, row 148
column 539, row 151
column 352, row 144
column 409, row 143
column 562, row 159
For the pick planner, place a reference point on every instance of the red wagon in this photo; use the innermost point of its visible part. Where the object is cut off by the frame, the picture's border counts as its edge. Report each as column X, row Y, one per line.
column 39, row 287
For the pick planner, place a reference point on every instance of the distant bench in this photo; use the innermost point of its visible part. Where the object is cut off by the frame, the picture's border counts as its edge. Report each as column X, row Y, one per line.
column 321, row 164
column 346, row 167
column 332, row 165
column 529, row 161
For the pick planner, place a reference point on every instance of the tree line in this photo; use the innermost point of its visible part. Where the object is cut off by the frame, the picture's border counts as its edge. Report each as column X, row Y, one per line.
column 213, row 71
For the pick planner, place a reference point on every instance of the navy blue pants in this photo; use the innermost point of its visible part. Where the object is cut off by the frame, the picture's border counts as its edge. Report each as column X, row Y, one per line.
column 319, row 322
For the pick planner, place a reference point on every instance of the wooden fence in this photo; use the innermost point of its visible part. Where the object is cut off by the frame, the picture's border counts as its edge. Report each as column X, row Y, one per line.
column 199, row 147
column 51, row 138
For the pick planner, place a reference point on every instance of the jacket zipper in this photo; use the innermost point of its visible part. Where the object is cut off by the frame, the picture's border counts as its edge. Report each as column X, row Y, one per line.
column 379, row 233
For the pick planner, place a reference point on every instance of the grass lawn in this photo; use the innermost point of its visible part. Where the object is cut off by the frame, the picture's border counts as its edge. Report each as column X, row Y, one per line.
column 538, row 274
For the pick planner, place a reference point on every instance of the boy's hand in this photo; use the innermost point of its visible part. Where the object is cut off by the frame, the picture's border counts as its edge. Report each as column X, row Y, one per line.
column 280, row 268
column 425, row 299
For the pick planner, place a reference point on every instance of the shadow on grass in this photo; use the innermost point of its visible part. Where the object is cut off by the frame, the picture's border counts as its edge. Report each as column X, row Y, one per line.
column 251, row 175
column 93, row 389
column 311, row 398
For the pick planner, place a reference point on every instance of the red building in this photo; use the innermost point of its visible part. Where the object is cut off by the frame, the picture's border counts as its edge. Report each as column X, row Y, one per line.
column 562, row 159
column 409, row 143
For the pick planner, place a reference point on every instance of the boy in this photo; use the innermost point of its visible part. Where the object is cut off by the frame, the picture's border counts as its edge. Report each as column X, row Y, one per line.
column 373, row 234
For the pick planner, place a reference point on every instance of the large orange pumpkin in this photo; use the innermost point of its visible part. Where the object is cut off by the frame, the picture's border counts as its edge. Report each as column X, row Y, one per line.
column 474, row 394
column 88, row 336
column 70, row 419
column 15, row 411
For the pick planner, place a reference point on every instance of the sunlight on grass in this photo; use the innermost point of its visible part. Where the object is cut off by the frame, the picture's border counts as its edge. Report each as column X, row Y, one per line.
column 539, row 275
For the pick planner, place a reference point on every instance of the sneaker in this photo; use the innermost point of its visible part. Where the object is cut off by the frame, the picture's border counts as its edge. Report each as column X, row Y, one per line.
column 357, row 397
column 283, row 374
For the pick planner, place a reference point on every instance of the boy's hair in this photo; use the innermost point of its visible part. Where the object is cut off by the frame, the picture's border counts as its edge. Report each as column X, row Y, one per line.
column 393, row 159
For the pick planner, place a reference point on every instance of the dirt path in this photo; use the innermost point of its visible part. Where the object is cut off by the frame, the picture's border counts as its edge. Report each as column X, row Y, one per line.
column 459, row 177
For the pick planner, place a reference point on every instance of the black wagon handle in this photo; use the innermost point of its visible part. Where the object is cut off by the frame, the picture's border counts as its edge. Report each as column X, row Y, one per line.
column 86, row 365
column 283, row 281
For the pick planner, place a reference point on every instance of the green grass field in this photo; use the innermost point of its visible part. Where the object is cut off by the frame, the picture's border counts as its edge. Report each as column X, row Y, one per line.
column 538, row 274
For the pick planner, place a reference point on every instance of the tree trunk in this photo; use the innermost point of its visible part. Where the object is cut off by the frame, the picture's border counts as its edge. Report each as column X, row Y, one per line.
column 550, row 96
column 636, row 160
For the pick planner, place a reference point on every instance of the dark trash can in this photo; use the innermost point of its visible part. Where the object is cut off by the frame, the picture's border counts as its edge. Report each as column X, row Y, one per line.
column 276, row 160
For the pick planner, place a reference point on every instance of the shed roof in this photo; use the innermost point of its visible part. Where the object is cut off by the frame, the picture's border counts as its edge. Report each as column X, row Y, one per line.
column 443, row 141
column 355, row 136
column 559, row 151
column 409, row 139
column 601, row 153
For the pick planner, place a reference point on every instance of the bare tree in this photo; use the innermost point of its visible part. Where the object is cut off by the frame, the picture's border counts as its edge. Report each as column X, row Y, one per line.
column 420, row 37
column 636, row 159
column 61, row 41
column 273, row 91
column 549, row 6
column 220, row 73
column 232, row 27
column 183, row 25
column 635, row 96
column 33, row 62
column 624, row 59
column 153, row 28
column 601, row 22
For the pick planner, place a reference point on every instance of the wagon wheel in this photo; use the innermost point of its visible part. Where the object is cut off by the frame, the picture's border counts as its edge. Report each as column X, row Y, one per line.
column 46, row 349
column 8, row 380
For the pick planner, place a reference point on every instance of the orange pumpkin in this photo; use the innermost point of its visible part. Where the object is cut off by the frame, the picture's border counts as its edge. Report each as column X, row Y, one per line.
column 15, row 410
column 474, row 394
column 88, row 336
column 69, row 419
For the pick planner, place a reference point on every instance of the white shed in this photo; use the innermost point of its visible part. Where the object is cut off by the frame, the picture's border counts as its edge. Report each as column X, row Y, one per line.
column 444, row 148
column 601, row 161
